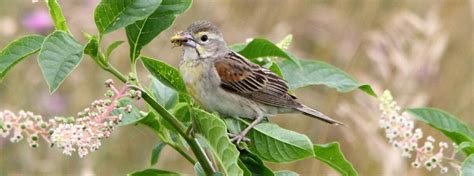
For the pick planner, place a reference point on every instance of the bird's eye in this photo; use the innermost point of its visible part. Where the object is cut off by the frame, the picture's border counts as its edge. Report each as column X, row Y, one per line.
column 204, row 38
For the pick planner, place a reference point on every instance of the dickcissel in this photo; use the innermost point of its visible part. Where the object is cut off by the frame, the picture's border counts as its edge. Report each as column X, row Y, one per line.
column 223, row 81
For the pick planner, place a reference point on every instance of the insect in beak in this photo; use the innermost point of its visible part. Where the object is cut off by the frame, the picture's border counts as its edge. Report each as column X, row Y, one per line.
column 183, row 38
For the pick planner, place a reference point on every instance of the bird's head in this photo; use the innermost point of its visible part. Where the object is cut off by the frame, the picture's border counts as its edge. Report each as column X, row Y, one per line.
column 201, row 37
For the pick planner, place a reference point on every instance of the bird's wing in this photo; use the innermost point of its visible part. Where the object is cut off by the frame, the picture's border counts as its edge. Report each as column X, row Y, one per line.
column 240, row 76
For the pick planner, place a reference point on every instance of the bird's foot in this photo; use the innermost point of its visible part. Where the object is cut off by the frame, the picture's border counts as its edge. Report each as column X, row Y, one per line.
column 237, row 138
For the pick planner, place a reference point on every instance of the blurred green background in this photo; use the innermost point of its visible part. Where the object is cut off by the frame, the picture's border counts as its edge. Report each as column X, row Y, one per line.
column 423, row 51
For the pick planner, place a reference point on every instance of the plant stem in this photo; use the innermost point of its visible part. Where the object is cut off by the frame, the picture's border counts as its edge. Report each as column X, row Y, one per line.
column 180, row 128
column 193, row 144
column 183, row 153
column 116, row 73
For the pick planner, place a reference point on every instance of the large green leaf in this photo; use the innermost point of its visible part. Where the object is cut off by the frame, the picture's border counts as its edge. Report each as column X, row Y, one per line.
column 167, row 74
column 59, row 56
column 111, row 15
column 447, row 123
column 263, row 48
column 214, row 131
column 316, row 73
column 57, row 15
column 17, row 50
column 166, row 96
column 273, row 143
column 153, row 172
column 467, row 168
column 331, row 155
column 144, row 31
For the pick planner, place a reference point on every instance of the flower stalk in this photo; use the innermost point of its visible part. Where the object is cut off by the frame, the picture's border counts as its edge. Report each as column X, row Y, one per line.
column 401, row 133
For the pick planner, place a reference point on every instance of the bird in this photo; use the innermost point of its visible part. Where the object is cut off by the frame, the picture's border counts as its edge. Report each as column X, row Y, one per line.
column 223, row 81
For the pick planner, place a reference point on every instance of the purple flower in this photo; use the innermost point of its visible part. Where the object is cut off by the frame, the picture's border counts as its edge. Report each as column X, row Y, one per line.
column 38, row 21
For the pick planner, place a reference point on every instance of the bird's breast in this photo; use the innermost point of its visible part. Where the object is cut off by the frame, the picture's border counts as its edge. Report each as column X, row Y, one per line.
column 196, row 76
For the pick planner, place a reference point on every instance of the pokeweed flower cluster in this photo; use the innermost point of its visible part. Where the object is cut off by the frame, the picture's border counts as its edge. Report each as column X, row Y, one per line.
column 82, row 134
column 401, row 133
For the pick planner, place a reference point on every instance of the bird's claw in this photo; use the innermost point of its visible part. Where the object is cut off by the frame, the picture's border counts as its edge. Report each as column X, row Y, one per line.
column 237, row 138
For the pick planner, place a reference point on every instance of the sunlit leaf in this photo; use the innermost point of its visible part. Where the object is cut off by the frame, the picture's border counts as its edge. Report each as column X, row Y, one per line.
column 214, row 131
column 59, row 56
column 111, row 15
column 332, row 155
column 57, row 15
column 17, row 50
column 144, row 31
column 447, row 123
column 313, row 72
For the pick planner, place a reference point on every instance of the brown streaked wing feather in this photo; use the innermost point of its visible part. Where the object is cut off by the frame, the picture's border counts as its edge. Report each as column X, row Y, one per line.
column 247, row 79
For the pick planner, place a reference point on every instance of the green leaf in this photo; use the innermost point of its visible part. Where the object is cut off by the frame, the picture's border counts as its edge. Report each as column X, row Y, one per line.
column 165, row 95
column 92, row 47
column 276, row 69
column 332, row 155
column 254, row 164
column 60, row 54
column 57, row 15
column 465, row 145
column 286, row 173
column 447, row 123
column 263, row 48
column 112, row 47
column 198, row 169
column 467, row 168
column 237, row 47
column 155, row 153
column 182, row 112
column 316, row 73
column 144, row 31
column 213, row 129
column 153, row 172
column 111, row 15
column 273, row 143
column 167, row 74
column 151, row 121
column 127, row 117
column 17, row 50
column 285, row 42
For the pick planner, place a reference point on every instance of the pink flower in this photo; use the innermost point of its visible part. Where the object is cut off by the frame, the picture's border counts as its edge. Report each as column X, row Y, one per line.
column 82, row 134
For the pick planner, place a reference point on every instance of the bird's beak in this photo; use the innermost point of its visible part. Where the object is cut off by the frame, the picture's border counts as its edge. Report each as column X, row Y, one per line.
column 183, row 38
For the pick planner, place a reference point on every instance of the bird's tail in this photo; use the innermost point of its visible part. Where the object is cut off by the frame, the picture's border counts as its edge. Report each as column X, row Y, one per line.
column 318, row 115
